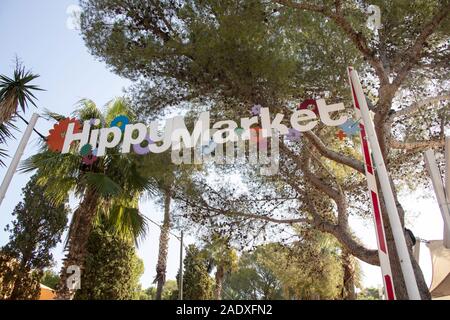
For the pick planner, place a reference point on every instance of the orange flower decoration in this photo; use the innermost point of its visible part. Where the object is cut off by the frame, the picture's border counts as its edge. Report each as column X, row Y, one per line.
column 256, row 134
column 57, row 135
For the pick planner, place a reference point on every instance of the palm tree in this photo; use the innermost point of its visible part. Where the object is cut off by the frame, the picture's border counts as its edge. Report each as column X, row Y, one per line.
column 166, row 176
column 14, row 92
column 161, row 265
column 223, row 257
column 110, row 187
column 163, row 174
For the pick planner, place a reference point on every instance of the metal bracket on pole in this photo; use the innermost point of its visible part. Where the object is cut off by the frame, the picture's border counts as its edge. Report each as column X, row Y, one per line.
column 441, row 192
column 16, row 159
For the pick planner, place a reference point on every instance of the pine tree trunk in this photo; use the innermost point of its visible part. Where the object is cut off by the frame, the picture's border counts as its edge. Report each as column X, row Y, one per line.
column 161, row 266
column 16, row 293
column 399, row 282
column 349, row 276
column 79, row 232
column 219, row 281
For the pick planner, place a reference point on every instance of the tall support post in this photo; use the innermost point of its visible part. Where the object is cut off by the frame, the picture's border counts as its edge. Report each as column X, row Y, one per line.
column 16, row 159
column 180, row 295
column 360, row 103
column 447, row 191
column 383, row 252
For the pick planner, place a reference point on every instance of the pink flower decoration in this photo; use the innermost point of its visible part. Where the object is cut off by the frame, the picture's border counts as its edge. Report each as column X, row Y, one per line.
column 256, row 109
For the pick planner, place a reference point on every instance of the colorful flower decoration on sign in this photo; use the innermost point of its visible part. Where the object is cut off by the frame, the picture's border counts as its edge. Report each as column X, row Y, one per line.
column 256, row 134
column 207, row 149
column 94, row 122
column 138, row 149
column 350, row 127
column 256, row 109
column 57, row 135
column 89, row 159
column 293, row 135
column 86, row 150
column 341, row 135
column 89, row 155
column 239, row 131
column 309, row 104
column 120, row 121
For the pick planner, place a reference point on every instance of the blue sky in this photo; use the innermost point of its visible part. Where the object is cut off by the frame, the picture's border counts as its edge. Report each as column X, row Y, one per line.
column 36, row 32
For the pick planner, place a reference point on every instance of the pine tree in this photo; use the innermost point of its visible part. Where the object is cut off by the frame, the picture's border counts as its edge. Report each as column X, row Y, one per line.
column 197, row 284
column 112, row 269
column 37, row 228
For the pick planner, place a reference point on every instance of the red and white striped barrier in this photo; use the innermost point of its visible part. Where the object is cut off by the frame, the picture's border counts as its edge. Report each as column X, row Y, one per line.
column 375, row 160
column 375, row 201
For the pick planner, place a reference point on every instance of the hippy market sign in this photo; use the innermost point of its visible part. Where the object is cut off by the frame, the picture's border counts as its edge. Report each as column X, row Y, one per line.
column 143, row 139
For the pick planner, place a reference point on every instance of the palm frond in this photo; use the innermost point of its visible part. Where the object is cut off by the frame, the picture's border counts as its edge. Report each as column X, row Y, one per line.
column 52, row 164
column 101, row 183
column 117, row 107
column 57, row 190
column 57, row 172
column 124, row 167
column 87, row 109
column 6, row 131
column 5, row 134
column 50, row 115
column 3, row 154
column 128, row 222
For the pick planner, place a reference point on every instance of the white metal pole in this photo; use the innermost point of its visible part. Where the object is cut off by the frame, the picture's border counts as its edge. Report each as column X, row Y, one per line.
column 438, row 186
column 394, row 219
column 16, row 159
column 447, row 188
column 447, row 167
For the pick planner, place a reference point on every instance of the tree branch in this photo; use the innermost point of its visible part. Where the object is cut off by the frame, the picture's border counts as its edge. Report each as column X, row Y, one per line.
column 315, row 181
column 416, row 145
column 344, row 237
column 333, row 155
column 412, row 55
column 358, row 39
column 417, row 105
column 259, row 217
